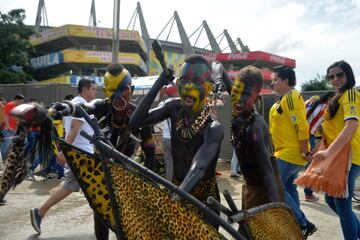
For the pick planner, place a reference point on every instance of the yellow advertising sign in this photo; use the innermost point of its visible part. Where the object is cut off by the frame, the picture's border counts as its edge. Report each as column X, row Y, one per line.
column 49, row 35
column 87, row 32
column 175, row 59
column 82, row 56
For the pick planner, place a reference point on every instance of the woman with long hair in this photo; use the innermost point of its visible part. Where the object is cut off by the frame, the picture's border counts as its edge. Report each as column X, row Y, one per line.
column 341, row 127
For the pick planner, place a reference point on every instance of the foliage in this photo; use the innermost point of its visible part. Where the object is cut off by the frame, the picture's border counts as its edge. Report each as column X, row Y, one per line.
column 319, row 83
column 14, row 47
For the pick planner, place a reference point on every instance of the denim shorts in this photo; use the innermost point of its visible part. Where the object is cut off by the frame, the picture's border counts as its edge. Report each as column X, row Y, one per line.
column 70, row 182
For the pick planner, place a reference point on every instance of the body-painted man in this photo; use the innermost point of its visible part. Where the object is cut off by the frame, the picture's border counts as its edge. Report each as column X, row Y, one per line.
column 251, row 139
column 117, row 112
column 195, row 136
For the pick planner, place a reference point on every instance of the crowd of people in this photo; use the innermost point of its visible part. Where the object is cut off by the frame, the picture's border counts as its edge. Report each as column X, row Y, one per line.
column 268, row 156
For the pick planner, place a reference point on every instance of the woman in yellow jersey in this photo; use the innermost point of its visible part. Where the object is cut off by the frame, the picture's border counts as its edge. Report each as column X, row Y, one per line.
column 340, row 127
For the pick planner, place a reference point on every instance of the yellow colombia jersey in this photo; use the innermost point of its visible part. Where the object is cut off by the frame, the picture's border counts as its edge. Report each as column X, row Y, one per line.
column 349, row 109
column 288, row 125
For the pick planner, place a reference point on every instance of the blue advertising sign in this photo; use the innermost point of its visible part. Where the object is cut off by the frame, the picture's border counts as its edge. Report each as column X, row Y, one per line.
column 47, row 60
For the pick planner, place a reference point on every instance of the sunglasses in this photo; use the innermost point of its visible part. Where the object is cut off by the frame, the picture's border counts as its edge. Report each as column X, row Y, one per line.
column 338, row 75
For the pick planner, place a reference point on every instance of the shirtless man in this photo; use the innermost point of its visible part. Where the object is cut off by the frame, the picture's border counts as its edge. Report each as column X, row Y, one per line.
column 195, row 136
column 251, row 139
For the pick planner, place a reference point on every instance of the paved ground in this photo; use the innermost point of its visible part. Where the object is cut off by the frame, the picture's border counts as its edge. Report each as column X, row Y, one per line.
column 72, row 218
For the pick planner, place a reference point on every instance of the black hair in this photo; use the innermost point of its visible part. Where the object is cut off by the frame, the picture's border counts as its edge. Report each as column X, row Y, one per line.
column 285, row 72
column 69, row 97
column 19, row 97
column 197, row 59
column 84, row 83
column 115, row 69
column 350, row 83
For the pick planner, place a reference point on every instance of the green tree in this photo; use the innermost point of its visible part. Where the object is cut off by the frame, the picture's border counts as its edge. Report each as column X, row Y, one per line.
column 319, row 83
column 14, row 47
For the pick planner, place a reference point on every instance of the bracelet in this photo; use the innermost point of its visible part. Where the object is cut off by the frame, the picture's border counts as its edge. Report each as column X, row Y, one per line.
column 305, row 154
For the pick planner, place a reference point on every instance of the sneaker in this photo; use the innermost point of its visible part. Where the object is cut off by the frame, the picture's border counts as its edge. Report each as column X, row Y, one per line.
column 311, row 198
column 308, row 230
column 235, row 175
column 2, row 202
column 30, row 173
column 35, row 219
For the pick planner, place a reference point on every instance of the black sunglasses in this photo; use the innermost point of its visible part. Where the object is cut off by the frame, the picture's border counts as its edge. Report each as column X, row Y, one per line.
column 338, row 75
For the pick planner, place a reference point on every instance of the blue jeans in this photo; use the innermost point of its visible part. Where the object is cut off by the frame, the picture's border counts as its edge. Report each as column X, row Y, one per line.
column 288, row 173
column 235, row 167
column 5, row 147
column 312, row 140
column 52, row 166
column 350, row 225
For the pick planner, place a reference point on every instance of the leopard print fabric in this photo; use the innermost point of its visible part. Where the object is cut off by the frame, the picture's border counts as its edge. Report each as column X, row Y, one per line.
column 274, row 224
column 15, row 164
column 146, row 211
column 206, row 188
column 91, row 179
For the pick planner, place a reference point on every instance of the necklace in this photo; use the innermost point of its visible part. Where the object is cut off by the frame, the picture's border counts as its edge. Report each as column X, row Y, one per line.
column 238, row 128
column 187, row 133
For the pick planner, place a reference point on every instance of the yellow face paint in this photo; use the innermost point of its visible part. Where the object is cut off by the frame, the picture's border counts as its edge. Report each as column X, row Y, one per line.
column 236, row 91
column 111, row 83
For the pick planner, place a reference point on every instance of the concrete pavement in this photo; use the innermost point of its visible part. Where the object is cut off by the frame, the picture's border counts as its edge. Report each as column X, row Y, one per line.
column 73, row 218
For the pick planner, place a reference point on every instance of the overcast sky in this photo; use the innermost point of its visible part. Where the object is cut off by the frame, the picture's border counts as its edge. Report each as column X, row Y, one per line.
column 313, row 32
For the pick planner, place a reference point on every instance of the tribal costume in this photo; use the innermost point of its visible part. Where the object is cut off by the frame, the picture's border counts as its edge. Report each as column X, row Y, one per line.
column 195, row 136
column 16, row 162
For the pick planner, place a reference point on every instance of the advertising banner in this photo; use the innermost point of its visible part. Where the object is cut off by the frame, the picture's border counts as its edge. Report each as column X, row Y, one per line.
column 47, row 60
column 82, row 56
column 105, row 33
column 250, row 56
column 86, row 32
column 49, row 34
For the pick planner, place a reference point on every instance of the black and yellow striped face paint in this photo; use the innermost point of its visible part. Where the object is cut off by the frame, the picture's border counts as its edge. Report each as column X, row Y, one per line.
column 243, row 97
column 116, row 84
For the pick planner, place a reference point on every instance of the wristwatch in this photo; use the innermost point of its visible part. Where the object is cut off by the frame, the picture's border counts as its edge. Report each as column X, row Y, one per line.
column 305, row 154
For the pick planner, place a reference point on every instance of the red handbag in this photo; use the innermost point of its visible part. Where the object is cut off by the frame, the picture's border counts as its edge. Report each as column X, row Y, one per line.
column 329, row 175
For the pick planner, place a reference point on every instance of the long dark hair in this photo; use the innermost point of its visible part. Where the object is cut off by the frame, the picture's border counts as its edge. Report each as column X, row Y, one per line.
column 350, row 83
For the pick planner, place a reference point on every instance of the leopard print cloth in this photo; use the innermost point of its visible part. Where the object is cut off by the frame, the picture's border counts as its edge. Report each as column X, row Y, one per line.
column 15, row 164
column 276, row 223
column 206, row 188
column 146, row 211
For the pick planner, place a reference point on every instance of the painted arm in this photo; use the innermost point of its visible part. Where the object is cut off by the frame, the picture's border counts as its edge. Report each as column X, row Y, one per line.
column 148, row 146
column 263, row 162
column 141, row 115
column 204, row 156
column 220, row 79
